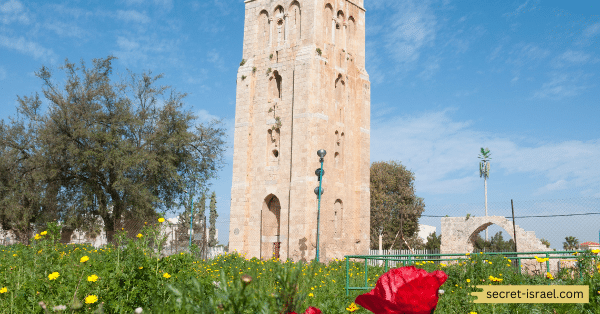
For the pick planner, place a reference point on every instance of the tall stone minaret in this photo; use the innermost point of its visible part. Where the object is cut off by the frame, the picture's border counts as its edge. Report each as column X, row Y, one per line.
column 301, row 86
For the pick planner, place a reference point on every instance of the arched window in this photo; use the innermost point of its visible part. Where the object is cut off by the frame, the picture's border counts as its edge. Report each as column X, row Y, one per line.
column 275, row 87
column 263, row 30
column 327, row 24
column 273, row 138
column 340, row 90
column 351, row 35
column 338, row 150
column 295, row 23
column 270, row 227
column 338, row 212
column 279, row 26
column 339, row 30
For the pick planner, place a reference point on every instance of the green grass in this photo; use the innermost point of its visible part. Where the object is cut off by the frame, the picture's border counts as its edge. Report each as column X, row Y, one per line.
column 134, row 276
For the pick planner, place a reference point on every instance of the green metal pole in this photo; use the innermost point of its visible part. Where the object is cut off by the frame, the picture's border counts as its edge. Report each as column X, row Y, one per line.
column 347, row 277
column 191, row 224
column 319, row 207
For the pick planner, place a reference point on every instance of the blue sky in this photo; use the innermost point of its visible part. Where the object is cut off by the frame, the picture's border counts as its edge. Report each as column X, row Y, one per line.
column 448, row 77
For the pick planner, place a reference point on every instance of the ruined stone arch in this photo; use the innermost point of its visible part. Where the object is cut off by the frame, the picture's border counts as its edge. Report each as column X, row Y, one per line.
column 328, row 24
column 264, row 32
column 295, row 23
column 458, row 234
column 270, row 227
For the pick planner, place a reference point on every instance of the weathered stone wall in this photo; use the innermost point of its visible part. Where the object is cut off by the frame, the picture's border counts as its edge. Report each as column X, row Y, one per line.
column 303, row 87
column 458, row 234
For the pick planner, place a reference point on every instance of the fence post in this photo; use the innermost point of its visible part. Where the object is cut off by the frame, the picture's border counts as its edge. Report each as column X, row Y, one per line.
column 347, row 277
column 366, row 272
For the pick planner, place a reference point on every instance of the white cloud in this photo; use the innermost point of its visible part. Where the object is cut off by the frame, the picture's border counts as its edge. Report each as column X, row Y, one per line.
column 442, row 154
column 562, row 85
column 28, row 47
column 204, row 116
column 413, row 28
column 12, row 11
column 571, row 57
column 146, row 50
column 592, row 30
column 64, row 29
column 165, row 4
column 215, row 58
column 550, row 187
column 133, row 16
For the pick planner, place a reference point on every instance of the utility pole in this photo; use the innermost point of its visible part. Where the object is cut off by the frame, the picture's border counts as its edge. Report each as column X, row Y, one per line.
column 484, row 171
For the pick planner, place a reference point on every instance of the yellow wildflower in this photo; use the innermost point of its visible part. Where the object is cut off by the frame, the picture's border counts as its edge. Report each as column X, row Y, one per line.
column 139, row 235
column 37, row 236
column 468, row 280
column 161, row 219
column 84, row 259
column 353, row 307
column 4, row 290
column 311, row 295
column 53, row 276
column 91, row 299
column 92, row 278
column 596, row 251
column 166, row 275
column 541, row 260
column 43, row 233
column 549, row 276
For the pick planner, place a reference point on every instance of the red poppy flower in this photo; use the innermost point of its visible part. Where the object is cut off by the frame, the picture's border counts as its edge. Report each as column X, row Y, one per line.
column 310, row 310
column 405, row 290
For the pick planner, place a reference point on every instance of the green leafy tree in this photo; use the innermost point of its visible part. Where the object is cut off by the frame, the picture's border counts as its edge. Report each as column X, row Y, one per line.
column 183, row 228
column 212, row 240
column 29, row 192
column 124, row 149
column 571, row 243
column 496, row 244
column 394, row 206
column 434, row 242
column 545, row 242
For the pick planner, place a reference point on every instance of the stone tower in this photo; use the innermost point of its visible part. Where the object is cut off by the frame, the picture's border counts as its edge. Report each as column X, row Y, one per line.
column 301, row 86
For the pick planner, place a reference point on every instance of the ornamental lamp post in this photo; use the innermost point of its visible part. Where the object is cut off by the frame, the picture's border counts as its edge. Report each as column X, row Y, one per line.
column 319, row 191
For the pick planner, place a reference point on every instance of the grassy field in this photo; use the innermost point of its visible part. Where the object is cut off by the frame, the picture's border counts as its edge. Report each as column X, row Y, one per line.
column 130, row 276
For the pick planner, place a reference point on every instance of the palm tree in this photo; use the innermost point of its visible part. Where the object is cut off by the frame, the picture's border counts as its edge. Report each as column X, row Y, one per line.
column 484, row 171
column 570, row 243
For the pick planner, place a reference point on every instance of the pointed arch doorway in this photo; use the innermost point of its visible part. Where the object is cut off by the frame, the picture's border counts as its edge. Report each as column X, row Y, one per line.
column 270, row 228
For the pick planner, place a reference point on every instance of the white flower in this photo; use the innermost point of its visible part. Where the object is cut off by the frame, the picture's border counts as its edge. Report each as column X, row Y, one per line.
column 217, row 284
column 138, row 310
column 59, row 308
column 440, row 292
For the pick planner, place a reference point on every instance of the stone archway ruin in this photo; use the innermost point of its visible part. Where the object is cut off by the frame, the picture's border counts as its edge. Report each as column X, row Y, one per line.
column 458, row 233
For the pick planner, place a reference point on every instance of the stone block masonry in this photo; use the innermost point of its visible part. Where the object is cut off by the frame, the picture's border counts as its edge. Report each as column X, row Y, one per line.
column 303, row 87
